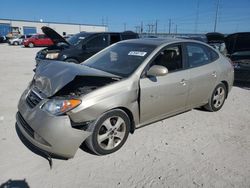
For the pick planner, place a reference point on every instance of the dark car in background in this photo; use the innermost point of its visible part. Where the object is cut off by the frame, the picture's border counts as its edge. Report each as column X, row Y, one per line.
column 81, row 46
column 3, row 39
column 37, row 40
column 238, row 47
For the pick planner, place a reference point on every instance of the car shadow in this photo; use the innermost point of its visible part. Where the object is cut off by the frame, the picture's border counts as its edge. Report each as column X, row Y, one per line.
column 243, row 85
column 85, row 148
column 36, row 150
column 203, row 109
column 15, row 184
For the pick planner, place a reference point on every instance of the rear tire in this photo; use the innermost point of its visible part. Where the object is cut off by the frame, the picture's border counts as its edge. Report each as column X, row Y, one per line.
column 109, row 132
column 15, row 43
column 217, row 98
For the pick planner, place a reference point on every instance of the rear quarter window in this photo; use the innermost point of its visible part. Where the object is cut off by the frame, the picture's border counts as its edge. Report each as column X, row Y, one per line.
column 213, row 55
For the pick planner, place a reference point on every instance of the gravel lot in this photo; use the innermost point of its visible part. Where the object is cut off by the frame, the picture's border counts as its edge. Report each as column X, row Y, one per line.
column 194, row 149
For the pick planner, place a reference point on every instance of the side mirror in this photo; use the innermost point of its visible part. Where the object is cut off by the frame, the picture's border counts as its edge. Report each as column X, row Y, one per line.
column 157, row 70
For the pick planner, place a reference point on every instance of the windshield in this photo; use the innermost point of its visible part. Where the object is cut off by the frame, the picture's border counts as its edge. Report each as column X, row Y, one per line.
column 34, row 36
column 121, row 59
column 76, row 39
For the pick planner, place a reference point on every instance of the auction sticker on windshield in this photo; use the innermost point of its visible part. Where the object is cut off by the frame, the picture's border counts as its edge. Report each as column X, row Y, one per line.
column 137, row 53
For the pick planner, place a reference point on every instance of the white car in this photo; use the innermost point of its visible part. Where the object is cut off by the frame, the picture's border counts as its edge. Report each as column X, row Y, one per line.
column 18, row 40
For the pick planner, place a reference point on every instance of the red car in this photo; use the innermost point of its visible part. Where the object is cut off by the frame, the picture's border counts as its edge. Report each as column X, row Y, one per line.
column 38, row 40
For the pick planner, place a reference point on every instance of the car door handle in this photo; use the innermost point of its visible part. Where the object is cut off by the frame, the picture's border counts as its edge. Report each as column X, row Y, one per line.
column 214, row 74
column 183, row 82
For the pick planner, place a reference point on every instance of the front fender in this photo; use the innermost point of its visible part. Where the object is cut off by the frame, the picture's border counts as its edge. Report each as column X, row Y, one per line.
column 91, row 109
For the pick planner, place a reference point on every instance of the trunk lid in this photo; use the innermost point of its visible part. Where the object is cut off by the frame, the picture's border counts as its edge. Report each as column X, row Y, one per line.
column 215, row 37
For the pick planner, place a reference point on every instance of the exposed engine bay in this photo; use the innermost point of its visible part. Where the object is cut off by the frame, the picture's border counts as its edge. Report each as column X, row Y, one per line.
column 82, row 85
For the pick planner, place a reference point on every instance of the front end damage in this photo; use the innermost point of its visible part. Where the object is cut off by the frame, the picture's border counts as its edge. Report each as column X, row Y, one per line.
column 57, row 134
column 53, row 134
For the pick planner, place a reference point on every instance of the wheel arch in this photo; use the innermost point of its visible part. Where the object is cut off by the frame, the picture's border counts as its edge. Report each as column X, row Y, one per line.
column 227, row 86
column 131, row 118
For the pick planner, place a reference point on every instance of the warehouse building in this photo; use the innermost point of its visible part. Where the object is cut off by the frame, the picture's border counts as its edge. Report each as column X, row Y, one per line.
column 15, row 27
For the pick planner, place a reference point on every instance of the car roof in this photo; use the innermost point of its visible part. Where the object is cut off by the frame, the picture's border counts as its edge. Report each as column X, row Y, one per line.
column 157, row 41
column 106, row 32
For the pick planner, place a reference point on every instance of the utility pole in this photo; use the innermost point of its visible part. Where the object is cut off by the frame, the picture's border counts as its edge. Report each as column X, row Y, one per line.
column 169, row 26
column 137, row 29
column 102, row 21
column 156, row 24
column 175, row 28
column 216, row 15
column 197, row 16
column 107, row 21
column 125, row 26
column 150, row 28
column 141, row 27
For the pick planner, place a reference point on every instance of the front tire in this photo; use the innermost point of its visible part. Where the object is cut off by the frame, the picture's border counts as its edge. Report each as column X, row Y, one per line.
column 31, row 45
column 109, row 132
column 217, row 99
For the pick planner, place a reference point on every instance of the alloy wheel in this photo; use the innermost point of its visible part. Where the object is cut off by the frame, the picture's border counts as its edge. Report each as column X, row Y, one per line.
column 219, row 97
column 111, row 133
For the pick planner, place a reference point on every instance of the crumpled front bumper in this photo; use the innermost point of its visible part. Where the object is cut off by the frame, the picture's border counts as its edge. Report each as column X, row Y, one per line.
column 50, row 133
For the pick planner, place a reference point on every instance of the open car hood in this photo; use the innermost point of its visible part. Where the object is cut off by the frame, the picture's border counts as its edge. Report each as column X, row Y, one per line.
column 215, row 37
column 53, row 35
column 50, row 77
column 238, row 42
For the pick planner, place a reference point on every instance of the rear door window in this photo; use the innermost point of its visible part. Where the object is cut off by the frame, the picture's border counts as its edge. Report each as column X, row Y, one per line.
column 41, row 36
column 114, row 38
column 98, row 42
column 198, row 54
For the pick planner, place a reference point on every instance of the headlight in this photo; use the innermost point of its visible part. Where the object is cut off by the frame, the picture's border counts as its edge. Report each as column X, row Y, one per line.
column 60, row 106
column 52, row 55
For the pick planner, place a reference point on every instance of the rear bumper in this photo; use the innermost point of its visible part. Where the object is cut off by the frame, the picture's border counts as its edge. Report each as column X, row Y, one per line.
column 53, row 134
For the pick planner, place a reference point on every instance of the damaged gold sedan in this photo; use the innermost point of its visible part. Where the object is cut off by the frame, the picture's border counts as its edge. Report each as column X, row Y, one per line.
column 123, row 87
